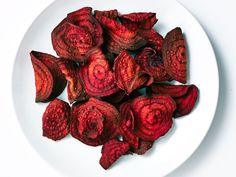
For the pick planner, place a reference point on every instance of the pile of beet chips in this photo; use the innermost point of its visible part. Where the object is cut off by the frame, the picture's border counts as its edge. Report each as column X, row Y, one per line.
column 116, row 68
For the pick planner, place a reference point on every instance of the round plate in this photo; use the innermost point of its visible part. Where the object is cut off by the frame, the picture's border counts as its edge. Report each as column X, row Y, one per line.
column 76, row 159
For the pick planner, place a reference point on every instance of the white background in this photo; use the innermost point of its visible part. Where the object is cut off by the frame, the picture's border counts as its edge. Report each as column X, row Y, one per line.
column 217, row 154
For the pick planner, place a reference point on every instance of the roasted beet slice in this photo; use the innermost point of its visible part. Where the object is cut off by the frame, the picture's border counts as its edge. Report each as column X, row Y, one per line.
column 155, row 40
column 127, row 125
column 56, row 120
column 77, row 35
column 49, row 81
column 75, row 89
column 128, row 74
column 112, row 151
column 94, row 122
column 143, row 147
column 174, row 55
column 113, row 14
column 118, row 37
column 152, row 64
column 153, row 116
column 185, row 96
column 139, row 20
column 98, row 78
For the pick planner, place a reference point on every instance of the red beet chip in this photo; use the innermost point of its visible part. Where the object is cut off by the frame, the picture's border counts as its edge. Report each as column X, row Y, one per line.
column 185, row 96
column 128, row 74
column 127, row 125
column 153, row 116
column 75, row 89
column 155, row 40
column 94, row 122
column 139, row 20
column 112, row 151
column 152, row 64
column 118, row 37
column 174, row 55
column 97, row 77
column 113, row 14
column 49, row 81
column 77, row 35
column 56, row 120
column 143, row 147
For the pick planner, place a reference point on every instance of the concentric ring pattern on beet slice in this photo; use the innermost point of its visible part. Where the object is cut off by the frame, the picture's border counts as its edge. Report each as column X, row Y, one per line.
column 97, row 77
column 77, row 35
column 56, row 120
column 185, row 96
column 112, row 151
column 153, row 116
column 94, row 122
column 174, row 55
column 49, row 81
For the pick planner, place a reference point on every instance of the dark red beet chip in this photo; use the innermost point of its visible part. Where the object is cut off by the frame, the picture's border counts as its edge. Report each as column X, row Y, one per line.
column 49, row 81
column 185, row 96
column 174, row 55
column 112, row 151
column 118, row 37
column 75, row 89
column 77, row 35
column 143, row 147
column 56, row 120
column 152, row 64
column 97, row 77
column 115, row 97
column 128, row 74
column 113, row 14
column 153, row 116
column 127, row 125
column 94, row 122
column 139, row 20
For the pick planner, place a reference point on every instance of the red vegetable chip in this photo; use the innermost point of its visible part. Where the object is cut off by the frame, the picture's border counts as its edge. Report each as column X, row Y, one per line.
column 118, row 37
column 56, row 120
column 113, row 14
column 153, row 116
column 75, row 89
column 77, row 35
column 127, row 125
column 49, row 81
column 112, row 151
column 143, row 147
column 185, row 96
column 174, row 55
column 139, row 20
column 152, row 64
column 128, row 74
column 94, row 122
column 98, row 79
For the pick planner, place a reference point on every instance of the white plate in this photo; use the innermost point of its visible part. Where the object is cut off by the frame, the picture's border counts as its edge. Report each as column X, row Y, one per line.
column 76, row 159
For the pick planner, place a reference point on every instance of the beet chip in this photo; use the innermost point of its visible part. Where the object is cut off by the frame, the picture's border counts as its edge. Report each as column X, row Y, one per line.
column 113, row 14
column 118, row 37
column 94, row 122
column 128, row 74
column 143, row 147
column 75, row 89
column 153, row 116
column 98, row 78
column 127, row 125
column 49, row 81
column 56, row 120
column 152, row 64
column 174, row 55
column 77, row 35
column 139, row 20
column 112, row 151
column 185, row 96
